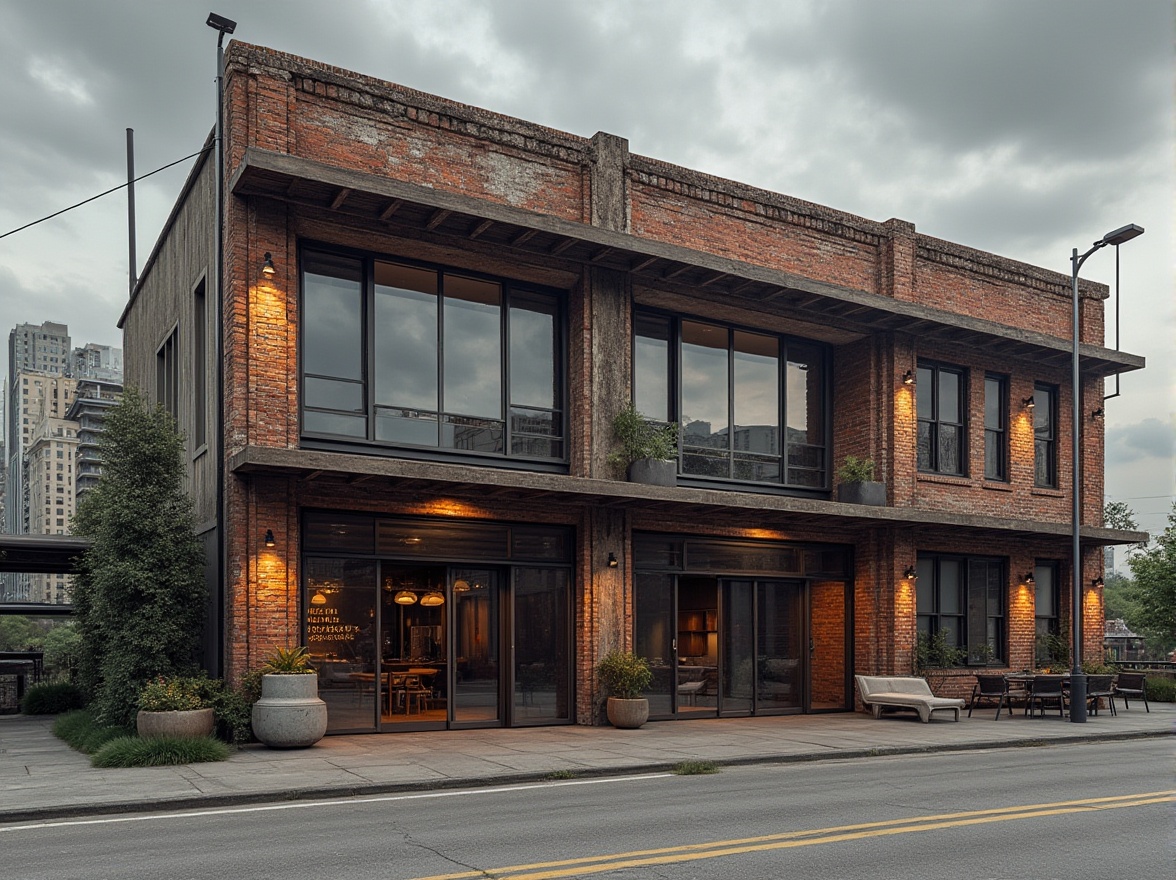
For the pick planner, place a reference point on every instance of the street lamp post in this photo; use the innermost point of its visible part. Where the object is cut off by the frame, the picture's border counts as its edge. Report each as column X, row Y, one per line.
column 1077, row 677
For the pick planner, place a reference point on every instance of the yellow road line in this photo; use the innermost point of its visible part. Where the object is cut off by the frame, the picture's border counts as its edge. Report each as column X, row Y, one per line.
column 793, row 839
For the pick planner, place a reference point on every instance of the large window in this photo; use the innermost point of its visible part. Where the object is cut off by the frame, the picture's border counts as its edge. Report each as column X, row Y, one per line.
column 1045, row 436
column 751, row 405
column 167, row 375
column 941, row 399
column 964, row 599
column 996, row 434
column 1045, row 612
column 412, row 356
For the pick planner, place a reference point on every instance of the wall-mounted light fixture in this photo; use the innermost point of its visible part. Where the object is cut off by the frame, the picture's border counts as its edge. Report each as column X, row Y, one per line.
column 267, row 268
column 1029, row 402
column 269, row 538
column 1029, row 578
column 405, row 597
column 911, row 574
column 613, row 562
column 908, row 378
column 1097, row 415
column 1098, row 582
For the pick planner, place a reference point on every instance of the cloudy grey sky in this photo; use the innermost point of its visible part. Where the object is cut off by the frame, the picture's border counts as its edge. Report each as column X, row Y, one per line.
column 1022, row 128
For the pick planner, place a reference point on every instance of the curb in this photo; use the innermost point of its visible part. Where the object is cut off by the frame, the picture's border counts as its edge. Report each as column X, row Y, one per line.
column 193, row 802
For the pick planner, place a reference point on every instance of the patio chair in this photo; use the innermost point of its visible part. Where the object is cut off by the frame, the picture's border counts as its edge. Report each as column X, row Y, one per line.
column 1131, row 684
column 1100, row 687
column 1045, row 689
column 990, row 687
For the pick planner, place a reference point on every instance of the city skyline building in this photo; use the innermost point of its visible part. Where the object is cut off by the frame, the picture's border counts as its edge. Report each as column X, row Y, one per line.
column 54, row 398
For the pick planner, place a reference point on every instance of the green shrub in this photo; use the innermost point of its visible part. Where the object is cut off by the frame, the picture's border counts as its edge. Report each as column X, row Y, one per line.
column 856, row 470
column 131, row 751
column 935, row 652
column 1160, row 689
column 139, row 594
column 233, row 708
column 641, row 438
column 174, row 694
column 80, row 731
column 623, row 674
column 288, row 661
column 52, row 699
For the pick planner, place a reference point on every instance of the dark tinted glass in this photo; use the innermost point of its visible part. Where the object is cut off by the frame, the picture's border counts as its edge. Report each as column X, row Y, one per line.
column 472, row 350
column 406, row 336
column 651, row 367
column 705, row 384
column 332, row 324
column 533, row 380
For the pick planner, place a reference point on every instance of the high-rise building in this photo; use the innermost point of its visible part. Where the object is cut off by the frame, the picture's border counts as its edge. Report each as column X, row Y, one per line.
column 93, row 361
column 92, row 399
column 34, row 398
column 50, row 472
column 42, row 435
column 41, row 347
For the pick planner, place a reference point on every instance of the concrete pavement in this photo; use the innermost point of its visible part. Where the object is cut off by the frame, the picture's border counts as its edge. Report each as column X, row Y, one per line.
column 42, row 778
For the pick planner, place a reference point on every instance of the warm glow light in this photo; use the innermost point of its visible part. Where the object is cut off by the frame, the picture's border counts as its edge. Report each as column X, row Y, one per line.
column 405, row 597
column 461, row 586
column 432, row 599
column 449, row 507
column 318, row 598
column 267, row 268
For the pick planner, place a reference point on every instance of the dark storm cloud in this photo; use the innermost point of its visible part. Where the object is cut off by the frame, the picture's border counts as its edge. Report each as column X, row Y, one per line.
column 590, row 70
column 1062, row 78
column 1150, row 438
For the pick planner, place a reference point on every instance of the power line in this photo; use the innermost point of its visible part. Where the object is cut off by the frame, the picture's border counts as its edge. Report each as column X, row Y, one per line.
column 108, row 192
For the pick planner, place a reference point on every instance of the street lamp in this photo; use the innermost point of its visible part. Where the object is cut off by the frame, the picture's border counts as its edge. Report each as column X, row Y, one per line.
column 222, row 26
column 1077, row 678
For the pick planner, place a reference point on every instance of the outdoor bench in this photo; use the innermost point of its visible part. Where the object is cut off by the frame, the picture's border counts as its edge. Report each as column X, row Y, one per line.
column 903, row 692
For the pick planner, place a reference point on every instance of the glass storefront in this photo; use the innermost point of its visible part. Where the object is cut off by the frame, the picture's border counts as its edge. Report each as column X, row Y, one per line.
column 419, row 624
column 743, row 628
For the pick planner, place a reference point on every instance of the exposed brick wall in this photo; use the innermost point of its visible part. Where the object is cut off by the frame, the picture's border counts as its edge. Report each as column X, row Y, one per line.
column 302, row 108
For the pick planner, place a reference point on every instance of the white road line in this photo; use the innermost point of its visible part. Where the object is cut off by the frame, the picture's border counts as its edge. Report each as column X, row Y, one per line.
column 333, row 802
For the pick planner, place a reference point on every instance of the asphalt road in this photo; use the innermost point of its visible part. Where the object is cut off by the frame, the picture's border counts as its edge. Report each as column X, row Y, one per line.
column 1091, row 811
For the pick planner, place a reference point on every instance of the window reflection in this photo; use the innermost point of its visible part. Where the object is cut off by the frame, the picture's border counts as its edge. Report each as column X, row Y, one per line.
column 444, row 347
column 705, row 399
column 731, row 399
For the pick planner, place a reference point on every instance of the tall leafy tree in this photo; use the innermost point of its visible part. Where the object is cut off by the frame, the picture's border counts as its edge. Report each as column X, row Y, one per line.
column 1155, row 579
column 140, row 593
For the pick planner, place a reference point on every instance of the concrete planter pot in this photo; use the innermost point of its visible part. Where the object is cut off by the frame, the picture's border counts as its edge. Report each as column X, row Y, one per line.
column 289, row 714
column 871, row 493
column 186, row 722
column 654, row 472
column 627, row 714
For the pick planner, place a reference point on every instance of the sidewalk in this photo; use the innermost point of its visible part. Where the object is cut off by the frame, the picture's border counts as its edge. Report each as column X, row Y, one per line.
column 41, row 777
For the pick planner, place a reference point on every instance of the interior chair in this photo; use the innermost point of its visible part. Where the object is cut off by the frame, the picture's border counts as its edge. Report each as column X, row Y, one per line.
column 1131, row 684
column 1045, row 689
column 1100, row 687
column 415, row 693
column 990, row 687
column 395, row 692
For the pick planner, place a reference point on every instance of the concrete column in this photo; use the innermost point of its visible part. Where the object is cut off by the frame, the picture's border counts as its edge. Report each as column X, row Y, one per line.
column 608, row 156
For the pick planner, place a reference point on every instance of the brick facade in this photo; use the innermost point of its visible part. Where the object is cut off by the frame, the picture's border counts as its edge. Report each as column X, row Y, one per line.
column 318, row 154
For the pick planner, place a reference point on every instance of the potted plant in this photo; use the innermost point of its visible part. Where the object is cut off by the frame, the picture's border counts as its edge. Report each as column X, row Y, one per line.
column 856, row 483
column 649, row 450
column 624, row 675
column 289, row 714
column 173, row 707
